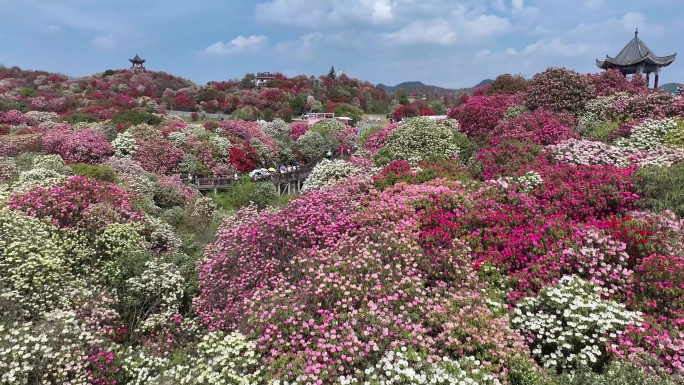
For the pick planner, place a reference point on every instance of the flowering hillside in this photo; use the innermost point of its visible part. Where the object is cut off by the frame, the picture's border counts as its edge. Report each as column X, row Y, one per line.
column 535, row 236
column 99, row 97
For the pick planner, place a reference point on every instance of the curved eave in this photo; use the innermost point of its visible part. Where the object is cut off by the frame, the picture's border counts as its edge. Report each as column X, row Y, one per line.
column 647, row 59
column 136, row 61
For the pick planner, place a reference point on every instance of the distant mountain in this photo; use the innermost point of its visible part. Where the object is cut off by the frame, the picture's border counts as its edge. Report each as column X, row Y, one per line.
column 670, row 87
column 483, row 83
column 416, row 87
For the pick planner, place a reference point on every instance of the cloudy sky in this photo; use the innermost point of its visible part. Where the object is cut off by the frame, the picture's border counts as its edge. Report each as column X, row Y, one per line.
column 451, row 43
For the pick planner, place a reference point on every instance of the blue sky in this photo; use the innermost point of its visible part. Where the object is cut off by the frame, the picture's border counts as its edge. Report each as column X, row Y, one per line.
column 442, row 42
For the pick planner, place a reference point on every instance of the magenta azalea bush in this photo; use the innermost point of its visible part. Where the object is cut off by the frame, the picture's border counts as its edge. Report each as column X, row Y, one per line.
column 559, row 90
column 70, row 203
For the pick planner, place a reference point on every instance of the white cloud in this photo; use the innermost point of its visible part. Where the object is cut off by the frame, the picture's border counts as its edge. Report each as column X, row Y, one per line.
column 437, row 31
column 482, row 53
column 302, row 49
column 511, row 51
column 109, row 42
column 556, row 48
column 518, row 5
column 317, row 13
column 238, row 45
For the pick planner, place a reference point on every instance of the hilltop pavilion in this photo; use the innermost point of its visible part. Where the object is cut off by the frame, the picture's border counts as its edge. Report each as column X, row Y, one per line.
column 137, row 63
column 636, row 57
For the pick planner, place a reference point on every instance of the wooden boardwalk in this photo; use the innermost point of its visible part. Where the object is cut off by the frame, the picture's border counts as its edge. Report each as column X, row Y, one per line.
column 286, row 183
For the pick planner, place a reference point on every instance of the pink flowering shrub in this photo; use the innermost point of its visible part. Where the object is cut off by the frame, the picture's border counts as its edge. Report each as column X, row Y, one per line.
column 612, row 81
column 601, row 259
column 479, row 116
column 159, row 156
column 660, row 284
column 647, row 105
column 559, row 90
column 12, row 117
column 298, row 129
column 172, row 191
column 465, row 326
column 239, row 128
column 68, row 204
column 541, row 127
column 658, row 340
column 86, row 146
column 378, row 139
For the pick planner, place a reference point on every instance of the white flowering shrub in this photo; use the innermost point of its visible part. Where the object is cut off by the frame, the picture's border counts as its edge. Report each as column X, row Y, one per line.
column 125, row 145
column 596, row 111
column 529, row 180
column 219, row 359
column 588, row 152
column 177, row 138
column 34, row 267
column 203, row 210
column 421, row 139
column 523, row 183
column 649, row 134
column 51, row 351
column 660, row 157
column 328, row 171
column 514, row 112
column 160, row 236
column 119, row 239
column 52, row 163
column 141, row 368
column 144, row 131
column 8, row 168
column 405, row 366
column 277, row 127
column 157, row 291
column 569, row 324
column 222, row 144
column 40, row 116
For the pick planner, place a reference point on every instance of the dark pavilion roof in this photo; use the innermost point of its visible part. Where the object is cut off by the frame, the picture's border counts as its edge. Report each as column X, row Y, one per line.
column 136, row 59
column 636, row 53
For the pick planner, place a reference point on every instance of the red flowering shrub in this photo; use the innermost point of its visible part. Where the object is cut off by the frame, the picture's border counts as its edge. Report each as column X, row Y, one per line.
column 481, row 114
column 405, row 111
column 540, row 126
column 427, row 112
column 69, row 203
column 86, row 146
column 245, row 159
column 298, row 129
column 395, row 171
column 559, row 90
column 183, row 102
column 159, row 156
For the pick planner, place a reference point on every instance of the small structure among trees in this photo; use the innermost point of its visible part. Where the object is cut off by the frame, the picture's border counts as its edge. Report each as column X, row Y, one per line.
column 137, row 63
column 636, row 57
column 262, row 78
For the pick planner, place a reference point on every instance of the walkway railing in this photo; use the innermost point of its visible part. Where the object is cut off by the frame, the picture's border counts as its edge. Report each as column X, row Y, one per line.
column 286, row 183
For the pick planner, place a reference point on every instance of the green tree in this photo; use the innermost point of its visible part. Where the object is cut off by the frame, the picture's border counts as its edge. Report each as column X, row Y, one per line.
column 402, row 96
column 345, row 109
column 332, row 74
column 298, row 104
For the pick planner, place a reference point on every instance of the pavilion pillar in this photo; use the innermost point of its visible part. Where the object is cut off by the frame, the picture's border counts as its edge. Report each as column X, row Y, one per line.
column 648, row 79
column 655, row 85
